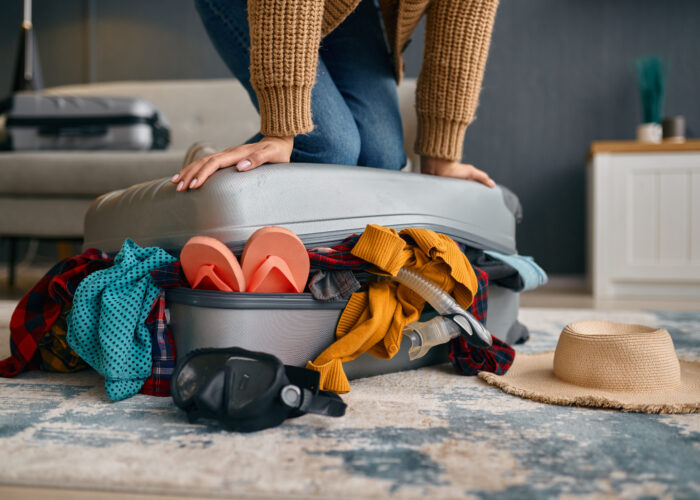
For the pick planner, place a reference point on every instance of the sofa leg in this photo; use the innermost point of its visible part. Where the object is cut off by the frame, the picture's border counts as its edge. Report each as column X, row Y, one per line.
column 11, row 261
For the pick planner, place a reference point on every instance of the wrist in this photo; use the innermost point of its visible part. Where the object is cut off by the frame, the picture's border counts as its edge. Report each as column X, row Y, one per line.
column 289, row 139
column 432, row 165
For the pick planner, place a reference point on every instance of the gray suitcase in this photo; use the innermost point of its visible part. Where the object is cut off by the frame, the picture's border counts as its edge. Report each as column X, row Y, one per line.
column 36, row 122
column 322, row 204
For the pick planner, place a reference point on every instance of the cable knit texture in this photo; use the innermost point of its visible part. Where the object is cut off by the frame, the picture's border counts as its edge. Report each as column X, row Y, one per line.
column 285, row 38
column 284, row 42
column 457, row 38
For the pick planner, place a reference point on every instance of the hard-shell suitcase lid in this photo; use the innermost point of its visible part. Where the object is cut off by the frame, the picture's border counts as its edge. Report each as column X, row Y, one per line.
column 322, row 204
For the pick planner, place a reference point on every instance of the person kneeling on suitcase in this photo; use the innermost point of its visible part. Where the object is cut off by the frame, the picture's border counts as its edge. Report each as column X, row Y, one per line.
column 324, row 81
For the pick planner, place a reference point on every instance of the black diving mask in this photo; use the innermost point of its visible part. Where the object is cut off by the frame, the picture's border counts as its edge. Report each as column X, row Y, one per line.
column 248, row 391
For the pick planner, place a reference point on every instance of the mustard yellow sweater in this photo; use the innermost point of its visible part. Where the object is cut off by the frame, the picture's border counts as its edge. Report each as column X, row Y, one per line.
column 285, row 37
column 374, row 319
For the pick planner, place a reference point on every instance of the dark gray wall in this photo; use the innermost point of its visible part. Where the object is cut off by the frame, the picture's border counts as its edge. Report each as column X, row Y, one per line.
column 132, row 40
column 560, row 75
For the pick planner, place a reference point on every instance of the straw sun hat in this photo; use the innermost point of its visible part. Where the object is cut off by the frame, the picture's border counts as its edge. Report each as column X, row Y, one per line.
column 608, row 365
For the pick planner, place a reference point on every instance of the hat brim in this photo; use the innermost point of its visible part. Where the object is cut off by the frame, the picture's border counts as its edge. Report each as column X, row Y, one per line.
column 531, row 376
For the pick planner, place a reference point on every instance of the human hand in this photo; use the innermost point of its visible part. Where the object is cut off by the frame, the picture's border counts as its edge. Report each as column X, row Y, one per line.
column 449, row 168
column 245, row 157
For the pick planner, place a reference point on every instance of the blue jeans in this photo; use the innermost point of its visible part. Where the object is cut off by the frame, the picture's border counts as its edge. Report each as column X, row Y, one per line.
column 354, row 102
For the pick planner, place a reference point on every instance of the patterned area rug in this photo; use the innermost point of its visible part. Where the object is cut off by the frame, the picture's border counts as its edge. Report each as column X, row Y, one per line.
column 423, row 434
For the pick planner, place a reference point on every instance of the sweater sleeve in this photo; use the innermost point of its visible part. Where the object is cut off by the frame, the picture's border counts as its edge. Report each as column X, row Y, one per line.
column 284, row 42
column 458, row 34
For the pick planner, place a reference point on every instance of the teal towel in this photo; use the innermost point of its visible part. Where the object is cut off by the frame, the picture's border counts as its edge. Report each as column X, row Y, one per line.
column 107, row 323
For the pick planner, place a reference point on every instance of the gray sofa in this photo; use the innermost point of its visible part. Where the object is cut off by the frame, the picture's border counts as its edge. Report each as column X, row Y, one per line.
column 45, row 194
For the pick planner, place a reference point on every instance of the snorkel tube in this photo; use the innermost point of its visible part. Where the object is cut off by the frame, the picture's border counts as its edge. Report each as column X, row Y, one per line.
column 452, row 322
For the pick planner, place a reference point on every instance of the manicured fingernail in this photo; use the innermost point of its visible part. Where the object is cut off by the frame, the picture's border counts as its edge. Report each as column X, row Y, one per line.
column 491, row 183
column 174, row 178
column 180, row 186
column 243, row 165
column 193, row 183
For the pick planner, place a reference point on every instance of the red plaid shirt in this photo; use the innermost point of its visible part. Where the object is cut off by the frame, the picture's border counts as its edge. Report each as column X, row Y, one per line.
column 338, row 257
column 40, row 308
column 470, row 360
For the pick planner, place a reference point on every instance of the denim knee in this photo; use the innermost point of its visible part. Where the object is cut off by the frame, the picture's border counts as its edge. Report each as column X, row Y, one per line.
column 382, row 150
column 328, row 145
column 343, row 148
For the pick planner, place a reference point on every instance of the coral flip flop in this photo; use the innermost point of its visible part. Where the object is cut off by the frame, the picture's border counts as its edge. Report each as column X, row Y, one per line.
column 275, row 260
column 273, row 276
column 208, row 264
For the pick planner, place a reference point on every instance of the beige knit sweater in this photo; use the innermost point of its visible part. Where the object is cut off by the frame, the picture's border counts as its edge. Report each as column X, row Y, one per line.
column 285, row 37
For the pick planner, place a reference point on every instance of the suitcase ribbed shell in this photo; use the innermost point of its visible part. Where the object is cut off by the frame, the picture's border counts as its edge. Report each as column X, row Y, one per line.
column 321, row 203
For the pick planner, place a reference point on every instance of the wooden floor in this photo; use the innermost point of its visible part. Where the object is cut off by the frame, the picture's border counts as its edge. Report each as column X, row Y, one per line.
column 571, row 293
column 26, row 278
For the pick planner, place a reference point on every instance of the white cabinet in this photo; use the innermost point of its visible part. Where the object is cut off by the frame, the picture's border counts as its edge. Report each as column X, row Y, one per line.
column 644, row 223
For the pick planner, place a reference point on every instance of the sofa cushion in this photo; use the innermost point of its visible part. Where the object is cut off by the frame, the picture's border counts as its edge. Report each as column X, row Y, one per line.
column 82, row 173
column 47, row 217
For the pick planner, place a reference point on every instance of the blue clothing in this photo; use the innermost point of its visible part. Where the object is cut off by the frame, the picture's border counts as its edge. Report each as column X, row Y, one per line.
column 531, row 274
column 354, row 102
column 107, row 323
